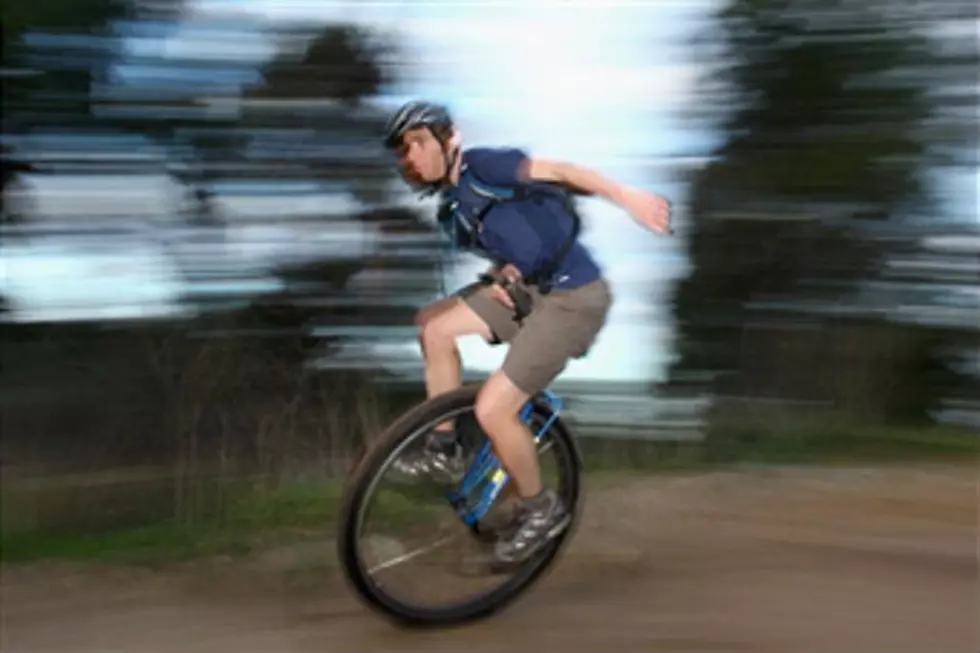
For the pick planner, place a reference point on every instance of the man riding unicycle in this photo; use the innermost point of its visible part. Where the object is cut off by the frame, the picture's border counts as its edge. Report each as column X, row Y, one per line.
column 517, row 211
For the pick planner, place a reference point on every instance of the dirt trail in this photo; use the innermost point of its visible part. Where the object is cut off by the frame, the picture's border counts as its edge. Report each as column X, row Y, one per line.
column 777, row 561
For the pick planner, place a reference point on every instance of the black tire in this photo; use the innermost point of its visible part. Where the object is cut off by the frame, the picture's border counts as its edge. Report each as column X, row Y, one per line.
column 374, row 462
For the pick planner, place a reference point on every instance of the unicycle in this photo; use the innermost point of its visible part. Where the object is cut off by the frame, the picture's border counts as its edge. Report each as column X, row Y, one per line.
column 457, row 520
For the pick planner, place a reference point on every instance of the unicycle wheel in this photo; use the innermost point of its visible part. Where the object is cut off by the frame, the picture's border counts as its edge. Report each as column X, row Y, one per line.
column 362, row 496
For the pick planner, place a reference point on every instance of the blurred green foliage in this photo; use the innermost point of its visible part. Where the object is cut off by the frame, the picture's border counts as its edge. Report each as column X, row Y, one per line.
column 833, row 116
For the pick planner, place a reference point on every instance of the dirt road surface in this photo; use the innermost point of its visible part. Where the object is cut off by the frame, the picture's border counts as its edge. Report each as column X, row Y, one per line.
column 760, row 561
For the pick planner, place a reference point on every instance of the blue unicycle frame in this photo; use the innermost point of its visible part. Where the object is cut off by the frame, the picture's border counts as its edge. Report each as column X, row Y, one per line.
column 486, row 469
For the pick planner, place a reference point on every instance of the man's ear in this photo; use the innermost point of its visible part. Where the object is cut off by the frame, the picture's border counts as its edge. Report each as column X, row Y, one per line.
column 455, row 140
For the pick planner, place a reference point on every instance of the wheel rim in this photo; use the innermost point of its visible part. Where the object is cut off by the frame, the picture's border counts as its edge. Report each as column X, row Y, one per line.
column 406, row 562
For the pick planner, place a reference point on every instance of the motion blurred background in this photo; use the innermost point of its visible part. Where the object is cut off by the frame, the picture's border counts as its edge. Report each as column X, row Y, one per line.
column 210, row 269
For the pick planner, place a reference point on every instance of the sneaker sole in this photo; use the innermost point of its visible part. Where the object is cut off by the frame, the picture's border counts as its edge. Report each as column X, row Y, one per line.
column 498, row 565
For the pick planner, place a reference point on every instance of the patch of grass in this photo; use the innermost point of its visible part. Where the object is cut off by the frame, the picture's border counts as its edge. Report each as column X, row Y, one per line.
column 83, row 522
column 783, row 442
column 291, row 510
column 618, row 456
column 301, row 505
column 829, row 442
column 164, row 542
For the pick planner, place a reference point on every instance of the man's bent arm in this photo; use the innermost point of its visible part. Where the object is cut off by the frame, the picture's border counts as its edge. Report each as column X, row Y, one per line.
column 576, row 177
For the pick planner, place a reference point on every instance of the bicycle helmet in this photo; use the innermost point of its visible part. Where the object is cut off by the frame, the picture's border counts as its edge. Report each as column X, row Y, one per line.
column 413, row 115
column 437, row 120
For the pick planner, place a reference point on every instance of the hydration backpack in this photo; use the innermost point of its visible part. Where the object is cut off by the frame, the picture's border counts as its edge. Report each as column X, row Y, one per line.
column 497, row 195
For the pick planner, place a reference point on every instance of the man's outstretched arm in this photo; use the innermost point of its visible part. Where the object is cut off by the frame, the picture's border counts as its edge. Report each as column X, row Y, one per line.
column 650, row 210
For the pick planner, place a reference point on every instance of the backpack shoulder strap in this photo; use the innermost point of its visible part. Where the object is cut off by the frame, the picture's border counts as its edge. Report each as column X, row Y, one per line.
column 498, row 195
column 493, row 194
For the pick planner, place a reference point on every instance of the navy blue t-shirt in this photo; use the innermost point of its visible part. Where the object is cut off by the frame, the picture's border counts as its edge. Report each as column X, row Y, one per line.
column 525, row 233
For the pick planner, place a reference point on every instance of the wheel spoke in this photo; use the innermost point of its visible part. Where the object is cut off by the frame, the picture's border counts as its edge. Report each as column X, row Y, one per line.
column 411, row 555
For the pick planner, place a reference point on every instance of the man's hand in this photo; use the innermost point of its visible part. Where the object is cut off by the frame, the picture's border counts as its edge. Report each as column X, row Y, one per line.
column 501, row 296
column 503, row 275
column 650, row 210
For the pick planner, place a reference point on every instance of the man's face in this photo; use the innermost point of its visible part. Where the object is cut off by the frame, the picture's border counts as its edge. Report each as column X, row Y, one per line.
column 420, row 157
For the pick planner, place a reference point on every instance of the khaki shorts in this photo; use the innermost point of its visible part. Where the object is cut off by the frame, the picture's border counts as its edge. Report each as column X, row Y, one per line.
column 562, row 325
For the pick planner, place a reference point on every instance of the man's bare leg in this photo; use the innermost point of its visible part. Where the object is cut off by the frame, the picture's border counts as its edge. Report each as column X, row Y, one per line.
column 439, row 380
column 498, row 411
column 439, row 331
column 439, row 327
column 543, row 513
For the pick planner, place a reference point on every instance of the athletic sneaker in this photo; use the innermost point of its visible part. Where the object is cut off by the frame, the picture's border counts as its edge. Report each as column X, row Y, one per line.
column 538, row 521
column 440, row 459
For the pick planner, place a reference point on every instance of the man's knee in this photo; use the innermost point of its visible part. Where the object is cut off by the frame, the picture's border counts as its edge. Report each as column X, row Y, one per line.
column 456, row 321
column 428, row 313
column 499, row 400
column 426, row 322
column 434, row 333
column 485, row 412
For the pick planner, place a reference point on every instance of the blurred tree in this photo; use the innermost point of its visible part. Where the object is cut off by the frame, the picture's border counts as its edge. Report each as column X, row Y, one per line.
column 42, row 83
column 55, row 55
column 216, row 132
column 309, row 115
column 827, row 110
column 11, row 169
column 312, row 115
column 317, row 92
column 341, row 62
